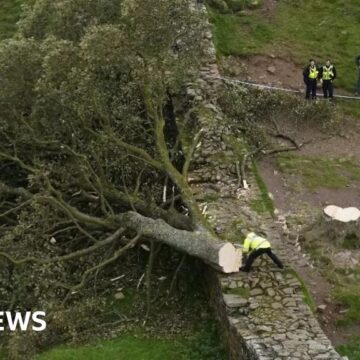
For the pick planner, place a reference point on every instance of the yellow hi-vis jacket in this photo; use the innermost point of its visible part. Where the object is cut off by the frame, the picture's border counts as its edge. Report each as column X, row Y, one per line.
column 254, row 242
column 313, row 72
column 328, row 73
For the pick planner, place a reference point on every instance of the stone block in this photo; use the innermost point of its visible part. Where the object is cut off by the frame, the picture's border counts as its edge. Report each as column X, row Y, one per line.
column 234, row 301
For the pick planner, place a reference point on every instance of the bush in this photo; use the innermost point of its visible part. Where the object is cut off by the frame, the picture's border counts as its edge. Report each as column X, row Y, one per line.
column 253, row 109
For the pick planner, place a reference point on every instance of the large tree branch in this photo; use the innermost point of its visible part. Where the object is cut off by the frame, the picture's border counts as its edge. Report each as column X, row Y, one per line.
column 221, row 255
column 14, row 209
column 190, row 153
column 156, row 114
column 149, row 209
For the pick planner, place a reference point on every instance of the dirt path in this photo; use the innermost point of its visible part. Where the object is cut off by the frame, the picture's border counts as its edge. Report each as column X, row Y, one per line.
column 269, row 7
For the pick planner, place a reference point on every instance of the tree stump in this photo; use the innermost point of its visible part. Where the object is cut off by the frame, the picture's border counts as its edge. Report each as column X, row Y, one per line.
column 340, row 226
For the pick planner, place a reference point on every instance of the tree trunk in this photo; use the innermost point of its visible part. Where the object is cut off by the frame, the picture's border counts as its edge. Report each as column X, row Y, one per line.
column 222, row 256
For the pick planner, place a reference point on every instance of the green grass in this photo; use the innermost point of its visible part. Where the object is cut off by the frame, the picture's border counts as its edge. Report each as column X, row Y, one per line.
column 265, row 198
column 211, row 197
column 239, row 35
column 318, row 172
column 126, row 347
column 347, row 292
column 201, row 345
column 351, row 241
column 349, row 296
column 258, row 206
column 243, row 292
column 350, row 108
column 351, row 350
column 346, row 289
column 299, row 30
column 308, row 299
column 9, row 15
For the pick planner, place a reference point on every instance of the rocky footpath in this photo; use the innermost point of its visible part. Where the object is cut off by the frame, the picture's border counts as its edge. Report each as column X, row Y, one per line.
column 263, row 312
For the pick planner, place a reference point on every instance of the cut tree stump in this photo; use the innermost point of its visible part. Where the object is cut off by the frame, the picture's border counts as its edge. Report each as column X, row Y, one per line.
column 342, row 223
column 344, row 215
column 338, row 225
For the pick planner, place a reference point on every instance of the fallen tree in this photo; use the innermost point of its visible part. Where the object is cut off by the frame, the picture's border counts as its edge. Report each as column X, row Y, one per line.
column 86, row 149
column 221, row 255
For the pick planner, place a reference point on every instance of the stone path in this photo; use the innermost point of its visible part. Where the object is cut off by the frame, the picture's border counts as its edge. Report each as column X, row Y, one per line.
column 274, row 322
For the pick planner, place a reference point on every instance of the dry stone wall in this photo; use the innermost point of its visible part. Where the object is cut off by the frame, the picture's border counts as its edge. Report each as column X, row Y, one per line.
column 263, row 313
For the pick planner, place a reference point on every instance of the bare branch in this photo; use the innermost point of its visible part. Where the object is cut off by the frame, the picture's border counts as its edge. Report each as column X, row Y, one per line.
column 141, row 153
column 14, row 209
column 16, row 160
column 190, row 153
column 116, row 255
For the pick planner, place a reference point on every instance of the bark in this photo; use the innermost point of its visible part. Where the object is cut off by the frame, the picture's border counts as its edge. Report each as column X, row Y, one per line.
column 223, row 256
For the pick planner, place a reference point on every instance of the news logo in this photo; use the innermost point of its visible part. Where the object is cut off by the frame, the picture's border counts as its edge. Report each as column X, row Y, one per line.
column 21, row 321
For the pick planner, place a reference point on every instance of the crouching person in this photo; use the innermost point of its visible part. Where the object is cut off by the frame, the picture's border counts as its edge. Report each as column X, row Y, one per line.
column 257, row 246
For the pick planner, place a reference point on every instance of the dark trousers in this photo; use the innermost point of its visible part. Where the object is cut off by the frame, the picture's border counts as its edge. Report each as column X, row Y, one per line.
column 311, row 88
column 256, row 253
column 328, row 88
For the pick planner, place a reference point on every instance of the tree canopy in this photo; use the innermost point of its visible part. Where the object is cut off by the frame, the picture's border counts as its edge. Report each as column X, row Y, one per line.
column 84, row 97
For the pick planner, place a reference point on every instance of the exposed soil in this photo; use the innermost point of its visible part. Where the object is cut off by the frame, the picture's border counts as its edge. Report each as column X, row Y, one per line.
column 269, row 70
column 268, row 8
column 265, row 69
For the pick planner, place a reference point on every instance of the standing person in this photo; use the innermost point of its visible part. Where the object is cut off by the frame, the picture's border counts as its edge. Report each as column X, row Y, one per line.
column 357, row 92
column 327, row 76
column 258, row 246
column 311, row 74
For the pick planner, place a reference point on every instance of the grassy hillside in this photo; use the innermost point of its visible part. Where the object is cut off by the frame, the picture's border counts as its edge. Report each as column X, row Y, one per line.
column 296, row 29
column 200, row 346
column 9, row 15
